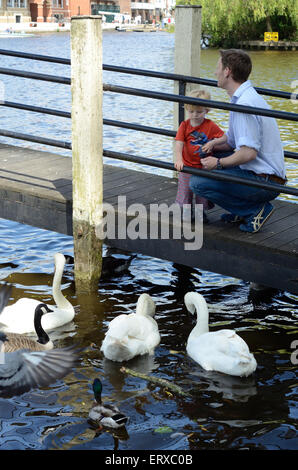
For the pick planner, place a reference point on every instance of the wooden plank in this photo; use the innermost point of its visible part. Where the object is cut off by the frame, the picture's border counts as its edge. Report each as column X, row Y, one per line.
column 125, row 185
column 136, row 189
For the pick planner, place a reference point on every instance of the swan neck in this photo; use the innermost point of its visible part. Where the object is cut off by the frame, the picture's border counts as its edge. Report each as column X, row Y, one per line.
column 202, row 325
column 59, row 298
column 145, row 307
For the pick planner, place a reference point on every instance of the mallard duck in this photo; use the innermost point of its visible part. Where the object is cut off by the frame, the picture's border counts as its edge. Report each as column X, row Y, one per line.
column 19, row 317
column 15, row 341
column 103, row 415
column 223, row 350
column 133, row 334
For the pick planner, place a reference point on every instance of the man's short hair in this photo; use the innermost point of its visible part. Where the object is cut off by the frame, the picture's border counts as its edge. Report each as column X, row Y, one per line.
column 238, row 62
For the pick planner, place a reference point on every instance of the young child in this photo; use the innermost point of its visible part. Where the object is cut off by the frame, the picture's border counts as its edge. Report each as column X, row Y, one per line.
column 192, row 134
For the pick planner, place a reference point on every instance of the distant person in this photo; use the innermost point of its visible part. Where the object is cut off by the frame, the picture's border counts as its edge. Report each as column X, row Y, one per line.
column 258, row 153
column 192, row 134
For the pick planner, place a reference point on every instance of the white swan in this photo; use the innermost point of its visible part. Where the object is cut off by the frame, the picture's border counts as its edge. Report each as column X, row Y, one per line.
column 19, row 317
column 222, row 351
column 133, row 334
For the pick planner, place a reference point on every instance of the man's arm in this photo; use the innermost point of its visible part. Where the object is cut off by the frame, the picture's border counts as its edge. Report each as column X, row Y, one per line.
column 243, row 155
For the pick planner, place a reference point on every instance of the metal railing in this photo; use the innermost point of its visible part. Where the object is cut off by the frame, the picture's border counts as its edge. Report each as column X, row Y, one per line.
column 180, row 99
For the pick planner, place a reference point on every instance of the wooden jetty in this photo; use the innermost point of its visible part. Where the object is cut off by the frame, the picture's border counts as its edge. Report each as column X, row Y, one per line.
column 36, row 189
column 269, row 45
column 140, row 28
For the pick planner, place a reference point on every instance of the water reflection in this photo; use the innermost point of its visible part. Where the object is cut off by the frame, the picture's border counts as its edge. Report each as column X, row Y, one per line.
column 231, row 388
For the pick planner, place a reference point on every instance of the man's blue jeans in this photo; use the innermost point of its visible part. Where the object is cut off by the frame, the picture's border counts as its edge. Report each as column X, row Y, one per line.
column 236, row 198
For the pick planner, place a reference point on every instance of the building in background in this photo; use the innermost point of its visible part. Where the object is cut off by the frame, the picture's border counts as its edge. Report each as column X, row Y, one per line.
column 14, row 11
column 123, row 11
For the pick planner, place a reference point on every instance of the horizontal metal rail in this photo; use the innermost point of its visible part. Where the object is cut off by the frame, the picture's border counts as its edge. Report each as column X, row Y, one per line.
column 217, row 175
column 35, row 109
column 155, row 163
column 166, row 132
column 36, row 139
column 197, row 101
column 189, row 79
column 107, row 122
column 170, row 97
column 146, row 73
column 35, row 76
column 28, row 55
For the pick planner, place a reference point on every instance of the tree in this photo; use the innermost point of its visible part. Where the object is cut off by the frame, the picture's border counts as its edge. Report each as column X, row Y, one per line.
column 229, row 21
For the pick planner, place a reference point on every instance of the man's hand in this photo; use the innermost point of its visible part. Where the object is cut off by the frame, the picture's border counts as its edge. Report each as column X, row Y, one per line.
column 209, row 163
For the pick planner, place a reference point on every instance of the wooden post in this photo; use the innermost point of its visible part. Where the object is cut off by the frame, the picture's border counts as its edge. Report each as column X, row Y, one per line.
column 87, row 165
column 187, row 49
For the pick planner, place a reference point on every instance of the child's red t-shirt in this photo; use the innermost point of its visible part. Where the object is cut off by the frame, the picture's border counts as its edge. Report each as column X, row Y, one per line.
column 194, row 138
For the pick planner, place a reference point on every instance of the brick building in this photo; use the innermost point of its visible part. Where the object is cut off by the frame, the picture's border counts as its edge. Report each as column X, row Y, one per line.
column 14, row 11
column 19, row 11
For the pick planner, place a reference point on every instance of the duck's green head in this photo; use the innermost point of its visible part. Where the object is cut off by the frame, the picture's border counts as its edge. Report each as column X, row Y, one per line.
column 97, row 389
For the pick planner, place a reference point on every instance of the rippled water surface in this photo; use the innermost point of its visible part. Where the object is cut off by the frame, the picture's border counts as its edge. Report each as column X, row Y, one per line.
column 259, row 412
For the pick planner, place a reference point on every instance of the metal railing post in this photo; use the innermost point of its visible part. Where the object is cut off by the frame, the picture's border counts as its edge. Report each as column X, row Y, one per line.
column 182, row 90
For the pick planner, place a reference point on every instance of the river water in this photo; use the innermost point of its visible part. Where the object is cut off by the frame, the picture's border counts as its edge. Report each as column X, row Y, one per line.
column 259, row 412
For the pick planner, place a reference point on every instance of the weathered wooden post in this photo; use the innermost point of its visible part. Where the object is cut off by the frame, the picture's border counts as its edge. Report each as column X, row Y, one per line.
column 187, row 51
column 86, row 87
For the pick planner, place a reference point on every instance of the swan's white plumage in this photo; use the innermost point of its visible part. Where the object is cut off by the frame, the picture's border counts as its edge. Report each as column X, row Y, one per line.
column 133, row 334
column 222, row 351
column 19, row 317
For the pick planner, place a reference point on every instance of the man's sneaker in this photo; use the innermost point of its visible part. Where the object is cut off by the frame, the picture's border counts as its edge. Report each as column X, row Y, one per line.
column 231, row 218
column 255, row 222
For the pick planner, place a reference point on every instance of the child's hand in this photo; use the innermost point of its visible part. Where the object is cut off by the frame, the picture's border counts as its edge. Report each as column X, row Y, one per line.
column 208, row 146
column 179, row 164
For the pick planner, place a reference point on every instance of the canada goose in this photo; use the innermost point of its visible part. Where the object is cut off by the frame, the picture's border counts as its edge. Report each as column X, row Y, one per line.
column 15, row 341
column 223, row 350
column 23, row 370
column 134, row 334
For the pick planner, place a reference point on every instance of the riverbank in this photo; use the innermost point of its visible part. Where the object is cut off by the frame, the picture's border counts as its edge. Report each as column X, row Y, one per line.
column 33, row 27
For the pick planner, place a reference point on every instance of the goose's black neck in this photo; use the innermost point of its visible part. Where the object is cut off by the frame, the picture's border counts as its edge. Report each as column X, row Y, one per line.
column 40, row 310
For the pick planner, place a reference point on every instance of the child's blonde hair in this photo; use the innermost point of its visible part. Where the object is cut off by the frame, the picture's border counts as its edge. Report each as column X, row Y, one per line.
column 203, row 94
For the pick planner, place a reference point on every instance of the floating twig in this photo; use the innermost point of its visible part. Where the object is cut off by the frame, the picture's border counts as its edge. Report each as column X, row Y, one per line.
column 162, row 382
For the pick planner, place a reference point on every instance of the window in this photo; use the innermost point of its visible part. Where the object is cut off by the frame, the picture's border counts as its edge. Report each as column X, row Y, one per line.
column 58, row 3
column 16, row 3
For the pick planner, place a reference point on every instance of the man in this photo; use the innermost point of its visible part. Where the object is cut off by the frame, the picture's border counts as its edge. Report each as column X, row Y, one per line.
column 256, row 151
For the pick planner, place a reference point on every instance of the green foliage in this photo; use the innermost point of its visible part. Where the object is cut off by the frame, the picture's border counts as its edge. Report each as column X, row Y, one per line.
column 229, row 21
